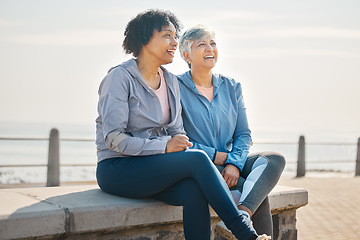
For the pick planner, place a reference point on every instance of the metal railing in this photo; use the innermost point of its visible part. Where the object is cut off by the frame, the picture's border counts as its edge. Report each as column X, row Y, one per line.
column 301, row 157
column 53, row 165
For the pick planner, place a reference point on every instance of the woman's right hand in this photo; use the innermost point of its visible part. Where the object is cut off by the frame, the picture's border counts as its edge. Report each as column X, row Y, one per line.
column 178, row 143
column 220, row 158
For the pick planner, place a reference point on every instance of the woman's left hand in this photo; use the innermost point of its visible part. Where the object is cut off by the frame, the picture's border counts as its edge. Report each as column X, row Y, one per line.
column 231, row 175
column 178, row 143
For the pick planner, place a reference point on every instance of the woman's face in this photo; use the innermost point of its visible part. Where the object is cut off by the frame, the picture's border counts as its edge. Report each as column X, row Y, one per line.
column 204, row 53
column 162, row 45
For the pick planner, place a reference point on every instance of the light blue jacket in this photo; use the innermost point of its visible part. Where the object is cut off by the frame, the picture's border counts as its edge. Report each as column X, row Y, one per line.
column 130, row 116
column 220, row 125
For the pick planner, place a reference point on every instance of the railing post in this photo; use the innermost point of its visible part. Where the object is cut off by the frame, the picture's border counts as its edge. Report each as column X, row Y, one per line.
column 53, row 171
column 300, row 172
column 357, row 167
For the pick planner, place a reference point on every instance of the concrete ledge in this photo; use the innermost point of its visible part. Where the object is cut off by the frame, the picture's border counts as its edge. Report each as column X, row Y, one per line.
column 85, row 212
column 282, row 198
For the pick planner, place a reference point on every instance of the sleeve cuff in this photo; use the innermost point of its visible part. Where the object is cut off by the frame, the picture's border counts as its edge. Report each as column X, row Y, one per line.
column 213, row 159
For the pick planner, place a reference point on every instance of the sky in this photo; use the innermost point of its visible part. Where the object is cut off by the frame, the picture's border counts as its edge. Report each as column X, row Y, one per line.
column 298, row 61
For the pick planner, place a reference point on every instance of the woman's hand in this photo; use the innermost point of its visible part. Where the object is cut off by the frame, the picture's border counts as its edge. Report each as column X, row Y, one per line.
column 220, row 158
column 231, row 175
column 177, row 144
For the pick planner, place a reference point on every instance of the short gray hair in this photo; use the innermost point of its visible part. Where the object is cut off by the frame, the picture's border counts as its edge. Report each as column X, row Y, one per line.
column 188, row 37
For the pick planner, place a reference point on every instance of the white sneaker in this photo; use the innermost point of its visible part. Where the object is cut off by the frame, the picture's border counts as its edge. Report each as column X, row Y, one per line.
column 263, row 237
column 247, row 218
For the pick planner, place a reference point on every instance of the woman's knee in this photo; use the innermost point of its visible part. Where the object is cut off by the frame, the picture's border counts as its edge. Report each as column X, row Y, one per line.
column 198, row 156
column 274, row 159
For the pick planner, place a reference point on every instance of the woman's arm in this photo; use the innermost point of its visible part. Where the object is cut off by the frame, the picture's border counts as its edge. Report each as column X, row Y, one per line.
column 242, row 134
column 210, row 151
column 114, row 111
column 217, row 157
column 178, row 127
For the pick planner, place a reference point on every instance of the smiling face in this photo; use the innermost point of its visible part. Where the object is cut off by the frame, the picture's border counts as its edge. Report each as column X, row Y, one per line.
column 203, row 54
column 162, row 45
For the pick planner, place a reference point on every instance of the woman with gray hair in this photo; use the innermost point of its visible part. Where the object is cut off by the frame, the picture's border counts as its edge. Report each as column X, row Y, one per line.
column 215, row 121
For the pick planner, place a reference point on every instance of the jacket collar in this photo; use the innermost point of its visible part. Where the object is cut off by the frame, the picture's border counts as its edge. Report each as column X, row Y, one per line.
column 186, row 79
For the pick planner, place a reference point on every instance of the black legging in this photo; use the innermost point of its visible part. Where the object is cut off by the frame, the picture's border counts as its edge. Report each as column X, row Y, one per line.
column 187, row 178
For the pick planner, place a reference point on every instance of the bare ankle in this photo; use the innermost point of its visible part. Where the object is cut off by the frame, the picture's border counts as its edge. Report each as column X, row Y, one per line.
column 246, row 209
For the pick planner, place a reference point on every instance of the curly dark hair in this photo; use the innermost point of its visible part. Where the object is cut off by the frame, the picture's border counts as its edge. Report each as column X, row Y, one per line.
column 140, row 29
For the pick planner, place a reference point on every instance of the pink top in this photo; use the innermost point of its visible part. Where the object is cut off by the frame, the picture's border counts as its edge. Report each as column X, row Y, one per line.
column 162, row 94
column 207, row 92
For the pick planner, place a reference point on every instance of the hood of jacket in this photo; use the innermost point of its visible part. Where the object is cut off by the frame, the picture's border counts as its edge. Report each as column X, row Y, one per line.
column 131, row 67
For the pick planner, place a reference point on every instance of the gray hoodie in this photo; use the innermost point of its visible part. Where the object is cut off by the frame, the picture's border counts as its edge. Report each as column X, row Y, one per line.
column 130, row 117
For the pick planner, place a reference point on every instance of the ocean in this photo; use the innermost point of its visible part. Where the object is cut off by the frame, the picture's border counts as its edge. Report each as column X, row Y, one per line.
column 322, row 156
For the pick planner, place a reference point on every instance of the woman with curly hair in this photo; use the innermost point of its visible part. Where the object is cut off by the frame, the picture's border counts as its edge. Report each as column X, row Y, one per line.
column 141, row 144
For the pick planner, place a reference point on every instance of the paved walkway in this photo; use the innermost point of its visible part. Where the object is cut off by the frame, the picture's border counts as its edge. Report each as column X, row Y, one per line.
column 333, row 211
